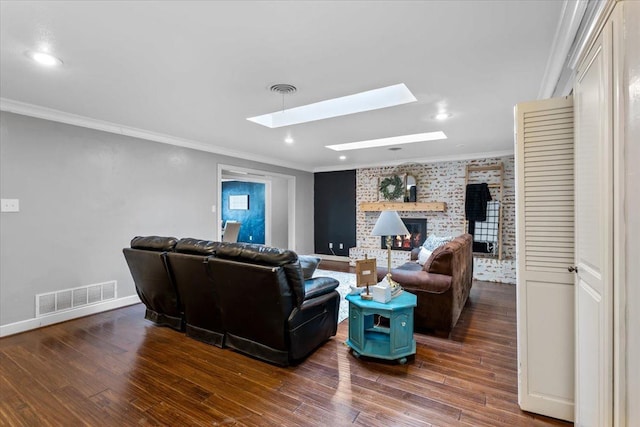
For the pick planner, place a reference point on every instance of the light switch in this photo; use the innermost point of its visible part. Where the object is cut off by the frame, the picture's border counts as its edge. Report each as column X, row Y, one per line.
column 213, row 208
column 10, row 205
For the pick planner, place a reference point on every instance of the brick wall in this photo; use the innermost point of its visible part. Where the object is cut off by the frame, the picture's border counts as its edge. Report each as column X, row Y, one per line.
column 440, row 182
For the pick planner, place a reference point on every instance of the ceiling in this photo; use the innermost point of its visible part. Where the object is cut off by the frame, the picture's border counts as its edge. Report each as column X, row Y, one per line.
column 192, row 72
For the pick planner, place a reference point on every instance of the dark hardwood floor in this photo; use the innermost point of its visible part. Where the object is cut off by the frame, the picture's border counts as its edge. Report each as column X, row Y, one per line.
column 117, row 369
column 336, row 266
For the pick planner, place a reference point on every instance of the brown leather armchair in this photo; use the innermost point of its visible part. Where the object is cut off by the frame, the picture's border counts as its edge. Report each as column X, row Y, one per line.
column 442, row 285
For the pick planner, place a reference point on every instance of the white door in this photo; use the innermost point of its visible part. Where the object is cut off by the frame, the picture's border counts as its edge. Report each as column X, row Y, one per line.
column 594, row 233
column 545, row 248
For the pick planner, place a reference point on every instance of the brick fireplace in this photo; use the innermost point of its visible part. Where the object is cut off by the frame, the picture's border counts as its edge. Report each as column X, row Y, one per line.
column 443, row 182
column 417, row 235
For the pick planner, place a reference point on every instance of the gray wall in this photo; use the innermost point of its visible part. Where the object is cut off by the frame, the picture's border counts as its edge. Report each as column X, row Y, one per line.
column 280, row 214
column 84, row 194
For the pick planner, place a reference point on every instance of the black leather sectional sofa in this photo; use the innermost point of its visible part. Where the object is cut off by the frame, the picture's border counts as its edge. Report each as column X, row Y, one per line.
column 247, row 297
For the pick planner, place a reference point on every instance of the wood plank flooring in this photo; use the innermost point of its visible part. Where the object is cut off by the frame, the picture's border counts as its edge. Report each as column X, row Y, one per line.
column 117, row 369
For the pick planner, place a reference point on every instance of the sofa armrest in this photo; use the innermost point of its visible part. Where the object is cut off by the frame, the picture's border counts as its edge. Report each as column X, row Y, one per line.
column 421, row 280
column 309, row 309
column 317, row 286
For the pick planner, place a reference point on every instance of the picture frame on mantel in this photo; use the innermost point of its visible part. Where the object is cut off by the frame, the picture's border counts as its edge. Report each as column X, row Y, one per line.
column 391, row 188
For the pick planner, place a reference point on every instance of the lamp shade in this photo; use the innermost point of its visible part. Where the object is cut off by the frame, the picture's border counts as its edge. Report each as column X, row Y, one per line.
column 389, row 224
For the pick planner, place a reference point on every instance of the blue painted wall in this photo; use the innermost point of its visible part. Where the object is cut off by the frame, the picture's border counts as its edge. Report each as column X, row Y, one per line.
column 253, row 220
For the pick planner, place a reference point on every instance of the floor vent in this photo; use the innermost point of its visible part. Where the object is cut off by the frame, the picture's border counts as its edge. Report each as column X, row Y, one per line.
column 68, row 299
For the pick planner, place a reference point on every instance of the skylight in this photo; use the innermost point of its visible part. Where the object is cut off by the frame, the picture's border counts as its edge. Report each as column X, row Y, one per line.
column 393, row 140
column 364, row 101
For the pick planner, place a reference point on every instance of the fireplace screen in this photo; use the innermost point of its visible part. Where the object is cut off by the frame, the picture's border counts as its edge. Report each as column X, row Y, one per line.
column 418, row 233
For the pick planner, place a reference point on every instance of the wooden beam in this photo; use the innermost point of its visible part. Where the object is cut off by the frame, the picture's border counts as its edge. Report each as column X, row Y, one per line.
column 403, row 206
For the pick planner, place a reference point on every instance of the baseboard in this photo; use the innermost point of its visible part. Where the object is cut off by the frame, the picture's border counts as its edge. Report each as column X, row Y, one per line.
column 332, row 257
column 39, row 322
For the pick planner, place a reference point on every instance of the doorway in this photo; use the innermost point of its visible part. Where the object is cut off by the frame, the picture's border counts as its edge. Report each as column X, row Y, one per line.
column 263, row 201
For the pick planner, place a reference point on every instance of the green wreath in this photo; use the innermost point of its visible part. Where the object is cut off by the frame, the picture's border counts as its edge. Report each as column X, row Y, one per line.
column 392, row 188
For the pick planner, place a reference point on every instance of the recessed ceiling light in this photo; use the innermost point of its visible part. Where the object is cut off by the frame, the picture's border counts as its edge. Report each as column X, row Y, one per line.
column 288, row 140
column 394, row 140
column 442, row 116
column 364, row 101
column 343, row 157
column 44, row 58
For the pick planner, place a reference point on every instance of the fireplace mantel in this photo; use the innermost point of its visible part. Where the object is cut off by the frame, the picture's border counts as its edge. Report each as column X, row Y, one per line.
column 403, row 206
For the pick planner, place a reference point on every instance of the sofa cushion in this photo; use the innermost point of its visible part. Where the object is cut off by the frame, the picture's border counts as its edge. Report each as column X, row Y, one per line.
column 257, row 254
column 196, row 246
column 308, row 263
column 424, row 255
column 441, row 260
column 432, row 242
column 154, row 243
column 411, row 266
column 265, row 255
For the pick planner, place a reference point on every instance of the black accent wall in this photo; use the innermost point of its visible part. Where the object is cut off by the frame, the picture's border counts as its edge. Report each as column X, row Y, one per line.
column 335, row 211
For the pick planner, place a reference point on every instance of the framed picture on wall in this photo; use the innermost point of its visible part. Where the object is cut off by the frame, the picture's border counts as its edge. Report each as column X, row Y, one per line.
column 239, row 202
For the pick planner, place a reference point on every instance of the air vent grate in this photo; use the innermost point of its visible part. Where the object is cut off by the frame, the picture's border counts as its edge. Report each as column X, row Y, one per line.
column 283, row 88
column 67, row 299
column 79, row 297
column 63, row 300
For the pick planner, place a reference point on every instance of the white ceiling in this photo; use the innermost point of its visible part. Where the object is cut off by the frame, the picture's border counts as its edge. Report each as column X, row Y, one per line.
column 194, row 71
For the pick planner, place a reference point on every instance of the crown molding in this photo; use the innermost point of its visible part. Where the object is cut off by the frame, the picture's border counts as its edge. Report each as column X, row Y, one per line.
column 31, row 110
column 568, row 25
column 45, row 113
column 425, row 160
column 579, row 24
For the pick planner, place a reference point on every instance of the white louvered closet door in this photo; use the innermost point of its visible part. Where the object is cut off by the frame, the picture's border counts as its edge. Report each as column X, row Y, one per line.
column 545, row 249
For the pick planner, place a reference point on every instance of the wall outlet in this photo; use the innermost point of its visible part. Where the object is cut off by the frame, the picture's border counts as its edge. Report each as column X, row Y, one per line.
column 330, row 245
column 250, row 238
column 10, row 205
column 341, row 246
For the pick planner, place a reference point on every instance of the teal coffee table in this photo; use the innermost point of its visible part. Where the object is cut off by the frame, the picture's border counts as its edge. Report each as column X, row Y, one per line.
column 394, row 342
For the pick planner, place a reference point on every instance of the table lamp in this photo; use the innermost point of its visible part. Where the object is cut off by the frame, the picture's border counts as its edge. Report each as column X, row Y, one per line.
column 389, row 224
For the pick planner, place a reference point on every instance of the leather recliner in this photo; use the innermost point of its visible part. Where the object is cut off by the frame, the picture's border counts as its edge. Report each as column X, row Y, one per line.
column 147, row 260
column 251, row 298
column 190, row 268
column 268, row 310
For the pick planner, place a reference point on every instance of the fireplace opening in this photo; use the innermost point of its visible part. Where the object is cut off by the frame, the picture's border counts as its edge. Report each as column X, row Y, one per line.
column 418, row 233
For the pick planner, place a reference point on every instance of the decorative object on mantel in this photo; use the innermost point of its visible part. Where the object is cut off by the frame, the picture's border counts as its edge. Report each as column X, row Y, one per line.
column 410, row 188
column 392, row 188
column 403, row 206
column 390, row 224
column 410, row 171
